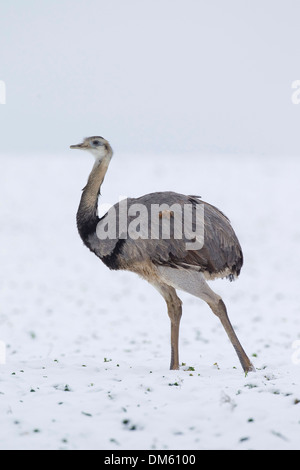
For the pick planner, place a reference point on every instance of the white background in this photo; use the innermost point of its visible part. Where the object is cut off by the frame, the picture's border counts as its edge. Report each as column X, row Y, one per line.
column 160, row 75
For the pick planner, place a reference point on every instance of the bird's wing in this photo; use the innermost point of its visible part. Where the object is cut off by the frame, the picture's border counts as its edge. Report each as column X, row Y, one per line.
column 209, row 246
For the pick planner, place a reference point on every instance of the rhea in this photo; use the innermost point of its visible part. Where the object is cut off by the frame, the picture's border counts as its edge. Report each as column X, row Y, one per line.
column 165, row 262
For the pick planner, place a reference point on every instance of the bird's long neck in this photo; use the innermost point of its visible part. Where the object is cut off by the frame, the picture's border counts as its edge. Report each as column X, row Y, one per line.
column 87, row 215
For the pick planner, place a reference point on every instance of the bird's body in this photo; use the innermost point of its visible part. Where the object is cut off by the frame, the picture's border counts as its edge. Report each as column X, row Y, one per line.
column 130, row 254
column 148, row 236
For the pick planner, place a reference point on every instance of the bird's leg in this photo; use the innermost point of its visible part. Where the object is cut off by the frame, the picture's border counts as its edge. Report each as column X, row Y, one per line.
column 195, row 283
column 174, row 305
column 175, row 312
column 220, row 310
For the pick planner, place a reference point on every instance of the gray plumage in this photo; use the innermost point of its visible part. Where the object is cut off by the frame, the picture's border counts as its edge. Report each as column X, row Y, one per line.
column 221, row 255
column 165, row 262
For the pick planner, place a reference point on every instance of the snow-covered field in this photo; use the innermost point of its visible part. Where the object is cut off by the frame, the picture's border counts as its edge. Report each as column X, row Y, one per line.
column 87, row 349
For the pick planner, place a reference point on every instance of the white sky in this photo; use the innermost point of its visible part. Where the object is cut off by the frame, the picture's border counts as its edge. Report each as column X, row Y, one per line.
column 150, row 76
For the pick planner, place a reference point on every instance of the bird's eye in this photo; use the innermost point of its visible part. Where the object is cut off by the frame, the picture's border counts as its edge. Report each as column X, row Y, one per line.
column 95, row 142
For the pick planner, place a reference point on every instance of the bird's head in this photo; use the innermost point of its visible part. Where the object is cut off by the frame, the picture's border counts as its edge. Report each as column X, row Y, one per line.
column 98, row 146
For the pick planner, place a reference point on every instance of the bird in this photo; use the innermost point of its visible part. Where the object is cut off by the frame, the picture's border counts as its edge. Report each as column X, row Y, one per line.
column 168, row 261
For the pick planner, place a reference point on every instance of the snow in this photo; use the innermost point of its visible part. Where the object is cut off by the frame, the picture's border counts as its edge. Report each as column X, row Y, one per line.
column 87, row 349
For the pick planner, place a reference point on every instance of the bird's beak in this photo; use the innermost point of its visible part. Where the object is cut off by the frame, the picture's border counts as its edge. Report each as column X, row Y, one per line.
column 79, row 146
